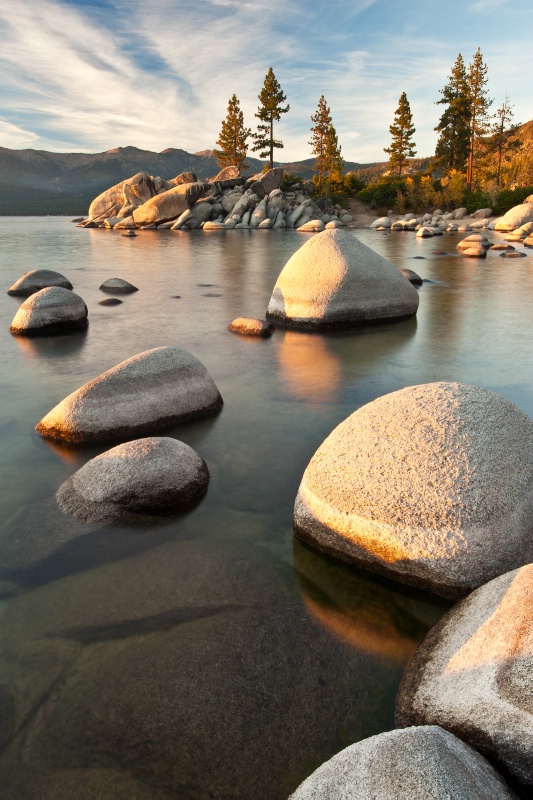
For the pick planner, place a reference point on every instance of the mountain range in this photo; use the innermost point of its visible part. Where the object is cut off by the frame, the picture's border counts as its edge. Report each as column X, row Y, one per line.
column 40, row 182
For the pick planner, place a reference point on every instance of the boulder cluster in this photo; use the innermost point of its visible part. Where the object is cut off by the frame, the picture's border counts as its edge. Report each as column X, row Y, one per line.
column 226, row 201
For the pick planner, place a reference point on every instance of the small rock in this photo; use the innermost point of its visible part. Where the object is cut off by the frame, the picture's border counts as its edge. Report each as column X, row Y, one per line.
column 36, row 280
column 249, row 326
column 50, row 310
column 412, row 277
column 424, row 233
column 513, row 254
column 110, row 301
column 501, row 246
column 153, row 476
column 118, row 286
column 475, row 251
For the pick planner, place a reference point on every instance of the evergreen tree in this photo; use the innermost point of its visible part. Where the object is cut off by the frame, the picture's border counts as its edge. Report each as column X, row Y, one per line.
column 402, row 145
column 271, row 98
column 479, row 105
column 232, row 138
column 503, row 135
column 326, row 148
column 454, row 125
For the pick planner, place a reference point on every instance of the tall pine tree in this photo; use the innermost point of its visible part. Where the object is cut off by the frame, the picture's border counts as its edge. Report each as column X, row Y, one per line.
column 325, row 147
column 454, row 125
column 402, row 145
column 271, row 98
column 232, row 138
column 479, row 116
column 503, row 137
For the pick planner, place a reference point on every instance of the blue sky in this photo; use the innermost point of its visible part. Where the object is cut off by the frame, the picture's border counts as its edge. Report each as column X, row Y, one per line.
column 90, row 76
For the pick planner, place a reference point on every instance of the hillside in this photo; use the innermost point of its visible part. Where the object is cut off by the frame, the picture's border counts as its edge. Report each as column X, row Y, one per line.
column 41, row 182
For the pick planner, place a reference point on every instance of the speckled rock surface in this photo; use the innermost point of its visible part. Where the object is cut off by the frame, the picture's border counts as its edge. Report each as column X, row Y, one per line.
column 334, row 280
column 431, row 485
column 154, row 475
column 50, row 310
column 118, row 286
column 37, row 279
column 249, row 326
column 424, row 763
column 148, row 392
column 473, row 673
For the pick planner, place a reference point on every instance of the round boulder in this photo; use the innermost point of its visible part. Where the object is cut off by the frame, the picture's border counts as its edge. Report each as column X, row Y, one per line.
column 513, row 254
column 474, row 251
column 251, row 327
column 118, row 286
column 424, row 233
column 472, row 673
column 431, row 485
column 474, row 240
column 423, row 762
column 148, row 392
column 36, row 280
column 50, row 310
column 412, row 277
column 151, row 476
column 334, row 280
column 515, row 217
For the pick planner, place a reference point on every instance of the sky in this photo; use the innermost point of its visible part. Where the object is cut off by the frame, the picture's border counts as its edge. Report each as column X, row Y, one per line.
column 93, row 75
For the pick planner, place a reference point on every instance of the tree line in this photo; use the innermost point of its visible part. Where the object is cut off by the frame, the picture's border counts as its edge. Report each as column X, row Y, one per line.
column 473, row 151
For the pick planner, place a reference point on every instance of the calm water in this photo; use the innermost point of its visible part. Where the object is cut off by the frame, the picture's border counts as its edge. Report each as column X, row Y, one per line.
column 212, row 656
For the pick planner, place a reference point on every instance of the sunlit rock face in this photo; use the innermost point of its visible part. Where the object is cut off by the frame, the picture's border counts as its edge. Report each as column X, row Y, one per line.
column 515, row 217
column 472, row 674
column 146, row 393
column 334, row 280
column 431, row 485
column 50, row 310
column 38, row 279
column 170, row 204
column 123, row 197
column 153, row 476
column 249, row 326
column 421, row 763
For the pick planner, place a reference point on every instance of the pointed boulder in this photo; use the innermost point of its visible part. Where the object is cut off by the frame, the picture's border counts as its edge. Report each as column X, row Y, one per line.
column 148, row 392
column 336, row 281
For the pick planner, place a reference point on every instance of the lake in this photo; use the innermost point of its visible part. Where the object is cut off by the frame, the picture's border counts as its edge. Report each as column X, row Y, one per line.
column 212, row 656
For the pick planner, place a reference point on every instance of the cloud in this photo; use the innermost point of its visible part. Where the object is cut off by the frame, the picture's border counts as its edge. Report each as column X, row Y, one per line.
column 13, row 136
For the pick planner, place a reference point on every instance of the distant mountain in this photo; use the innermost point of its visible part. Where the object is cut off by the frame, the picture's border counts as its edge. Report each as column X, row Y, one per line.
column 41, row 182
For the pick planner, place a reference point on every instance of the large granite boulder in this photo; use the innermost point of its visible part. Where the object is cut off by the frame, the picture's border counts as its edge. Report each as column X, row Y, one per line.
column 184, row 177
column 334, row 280
column 226, row 174
column 271, row 179
column 37, row 279
column 122, row 198
column 50, row 310
column 152, row 476
column 472, row 674
column 144, row 394
column 411, row 764
column 431, row 485
column 169, row 205
column 515, row 217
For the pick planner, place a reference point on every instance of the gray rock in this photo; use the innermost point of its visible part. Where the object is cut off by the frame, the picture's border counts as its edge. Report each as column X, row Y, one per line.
column 271, row 179
column 110, row 301
column 230, row 200
column 382, row 222
column 259, row 213
column 423, row 763
column 444, row 504
column 36, row 280
column 460, row 213
column 472, row 673
column 118, row 286
column 515, row 217
column 249, row 326
column 201, row 212
column 481, row 213
column 50, row 310
column 146, row 393
column 334, row 280
column 181, row 220
column 258, row 188
column 412, row 277
column 154, row 476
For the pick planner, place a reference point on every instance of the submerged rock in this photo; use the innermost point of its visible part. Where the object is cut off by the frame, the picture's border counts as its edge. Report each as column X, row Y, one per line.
column 146, row 393
column 36, row 280
column 110, row 301
column 334, row 280
column 251, row 327
column 118, row 286
column 472, row 673
column 50, row 310
column 421, row 763
column 430, row 485
column 155, row 475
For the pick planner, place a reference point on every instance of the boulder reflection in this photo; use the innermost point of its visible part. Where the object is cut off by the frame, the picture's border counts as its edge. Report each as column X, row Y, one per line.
column 361, row 610
column 309, row 369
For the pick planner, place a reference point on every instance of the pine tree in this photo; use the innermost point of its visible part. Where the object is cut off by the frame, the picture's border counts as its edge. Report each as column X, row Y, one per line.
column 402, row 145
column 454, row 125
column 232, row 138
column 479, row 106
column 503, row 135
column 271, row 98
column 325, row 147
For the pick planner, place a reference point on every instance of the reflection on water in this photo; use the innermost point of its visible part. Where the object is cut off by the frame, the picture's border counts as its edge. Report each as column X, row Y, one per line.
column 213, row 628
